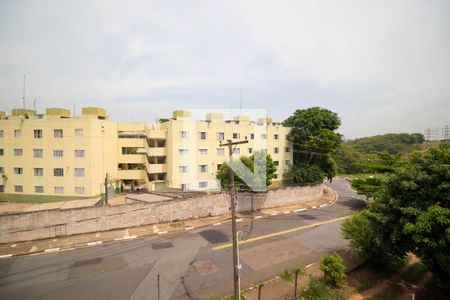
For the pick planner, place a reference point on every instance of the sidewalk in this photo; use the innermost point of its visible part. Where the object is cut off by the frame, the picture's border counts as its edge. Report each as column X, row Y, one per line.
column 72, row 242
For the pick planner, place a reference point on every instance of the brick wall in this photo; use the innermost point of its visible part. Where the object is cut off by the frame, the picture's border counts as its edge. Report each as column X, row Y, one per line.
column 50, row 223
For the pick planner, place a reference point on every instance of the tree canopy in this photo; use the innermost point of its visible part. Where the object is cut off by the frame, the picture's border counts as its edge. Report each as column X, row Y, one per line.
column 314, row 138
column 223, row 175
column 410, row 213
column 392, row 143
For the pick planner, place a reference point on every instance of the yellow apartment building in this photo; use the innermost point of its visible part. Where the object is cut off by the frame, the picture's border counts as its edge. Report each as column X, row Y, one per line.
column 55, row 155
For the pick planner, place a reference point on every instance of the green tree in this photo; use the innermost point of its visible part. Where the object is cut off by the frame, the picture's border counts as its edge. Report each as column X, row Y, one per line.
column 303, row 174
column 410, row 213
column 333, row 269
column 223, row 175
column 314, row 138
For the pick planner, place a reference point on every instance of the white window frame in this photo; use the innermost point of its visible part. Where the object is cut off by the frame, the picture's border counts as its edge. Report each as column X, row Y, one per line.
column 18, row 188
column 79, row 132
column 220, row 151
column 18, row 171
column 203, row 151
column 79, row 153
column 236, row 135
column 203, row 168
column 276, row 150
column 275, row 136
column 2, row 133
column 38, row 189
column 264, row 136
column 202, row 184
column 183, row 152
column 80, row 190
column 183, row 169
column 38, row 133
column 58, row 153
column 184, row 134
column 78, row 172
column 39, row 172
column 58, row 172
column 2, row 170
column 17, row 133
column 203, row 135
column 58, row 133
column 220, row 136
column 58, row 190
column 38, row 153
column 18, row 152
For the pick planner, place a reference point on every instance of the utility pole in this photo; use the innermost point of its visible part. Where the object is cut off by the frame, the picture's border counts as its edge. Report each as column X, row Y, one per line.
column 236, row 264
column 105, row 202
column 23, row 95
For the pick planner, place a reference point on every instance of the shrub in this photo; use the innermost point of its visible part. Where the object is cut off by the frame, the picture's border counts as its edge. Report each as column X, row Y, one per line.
column 333, row 269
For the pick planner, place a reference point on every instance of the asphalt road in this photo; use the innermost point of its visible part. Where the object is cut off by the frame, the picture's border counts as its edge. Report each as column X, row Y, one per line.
column 187, row 264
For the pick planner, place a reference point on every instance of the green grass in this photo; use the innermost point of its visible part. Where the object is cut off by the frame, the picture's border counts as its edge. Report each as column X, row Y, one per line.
column 317, row 290
column 177, row 224
column 387, row 294
column 414, row 273
column 36, row 198
column 289, row 274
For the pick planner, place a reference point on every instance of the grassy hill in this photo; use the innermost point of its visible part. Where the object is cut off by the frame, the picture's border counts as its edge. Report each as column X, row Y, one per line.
column 392, row 143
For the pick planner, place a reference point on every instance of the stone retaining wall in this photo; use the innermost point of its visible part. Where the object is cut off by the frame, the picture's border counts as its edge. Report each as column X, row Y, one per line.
column 51, row 223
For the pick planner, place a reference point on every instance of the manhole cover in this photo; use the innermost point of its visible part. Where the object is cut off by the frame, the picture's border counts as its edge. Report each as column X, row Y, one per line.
column 205, row 267
column 214, row 236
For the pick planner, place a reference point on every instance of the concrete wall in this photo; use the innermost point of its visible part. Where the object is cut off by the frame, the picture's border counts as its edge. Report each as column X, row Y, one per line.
column 51, row 223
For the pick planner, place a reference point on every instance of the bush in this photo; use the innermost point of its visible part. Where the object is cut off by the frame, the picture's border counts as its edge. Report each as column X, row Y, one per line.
column 303, row 174
column 319, row 291
column 333, row 269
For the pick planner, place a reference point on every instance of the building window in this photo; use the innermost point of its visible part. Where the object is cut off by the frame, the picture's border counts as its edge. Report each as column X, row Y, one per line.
column 184, row 134
column 275, row 136
column 287, row 163
column 1, row 133
column 2, row 152
column 18, row 189
column 250, row 150
column 58, row 133
column 37, row 153
column 220, row 151
column 17, row 133
column 184, row 186
column 59, row 190
column 79, row 153
column 203, row 168
column 276, row 162
column 58, row 172
column 203, row 151
column 264, row 136
column 38, row 189
column 236, row 135
column 38, row 172
column 203, row 184
column 18, row 171
column 220, row 136
column 2, row 188
column 79, row 172
column 275, row 150
column 236, row 151
column 183, row 151
column 38, row 133
column 288, row 149
column 252, row 136
column 184, row 169
column 18, row 152
column 57, row 153
column 2, row 170
column 203, row 135
column 78, row 132
column 79, row 190
column 275, row 176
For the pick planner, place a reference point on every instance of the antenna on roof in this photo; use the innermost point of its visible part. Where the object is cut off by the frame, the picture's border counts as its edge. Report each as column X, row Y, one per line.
column 34, row 104
column 23, row 96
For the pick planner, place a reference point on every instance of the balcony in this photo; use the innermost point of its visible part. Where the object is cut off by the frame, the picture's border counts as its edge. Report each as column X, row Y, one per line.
column 156, row 151
column 157, row 168
column 132, row 174
column 131, row 158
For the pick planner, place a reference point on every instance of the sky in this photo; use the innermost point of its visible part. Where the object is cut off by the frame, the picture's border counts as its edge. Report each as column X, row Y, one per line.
column 383, row 66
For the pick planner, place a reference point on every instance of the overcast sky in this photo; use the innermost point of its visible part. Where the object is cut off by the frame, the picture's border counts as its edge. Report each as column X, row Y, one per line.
column 383, row 66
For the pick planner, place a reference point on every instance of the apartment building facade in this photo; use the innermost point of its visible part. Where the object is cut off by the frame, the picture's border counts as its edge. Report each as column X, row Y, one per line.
column 57, row 155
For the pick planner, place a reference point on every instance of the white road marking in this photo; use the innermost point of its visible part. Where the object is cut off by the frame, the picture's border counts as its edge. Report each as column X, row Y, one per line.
column 126, row 238
column 286, row 212
column 13, row 245
column 189, row 228
column 5, row 256
column 314, row 207
column 239, row 220
column 257, row 217
column 94, row 243
column 323, row 205
column 217, row 224
column 274, row 213
column 162, row 232
column 299, row 209
column 52, row 250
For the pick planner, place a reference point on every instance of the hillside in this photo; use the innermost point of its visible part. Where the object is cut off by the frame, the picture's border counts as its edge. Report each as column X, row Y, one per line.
column 392, row 143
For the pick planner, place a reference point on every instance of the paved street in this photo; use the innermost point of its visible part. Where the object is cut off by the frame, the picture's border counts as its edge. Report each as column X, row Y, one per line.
column 190, row 264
